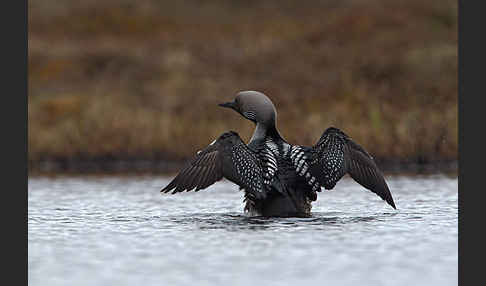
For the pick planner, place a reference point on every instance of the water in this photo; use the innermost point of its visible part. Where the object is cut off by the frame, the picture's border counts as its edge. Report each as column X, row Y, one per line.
column 122, row 231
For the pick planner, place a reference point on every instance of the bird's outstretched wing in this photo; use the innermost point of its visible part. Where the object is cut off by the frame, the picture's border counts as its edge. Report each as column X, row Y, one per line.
column 335, row 155
column 229, row 157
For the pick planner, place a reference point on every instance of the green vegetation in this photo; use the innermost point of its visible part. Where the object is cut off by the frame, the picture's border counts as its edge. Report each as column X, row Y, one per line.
column 141, row 80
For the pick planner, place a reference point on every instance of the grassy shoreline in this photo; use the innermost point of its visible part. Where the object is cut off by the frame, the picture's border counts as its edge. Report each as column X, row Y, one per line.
column 133, row 166
column 115, row 79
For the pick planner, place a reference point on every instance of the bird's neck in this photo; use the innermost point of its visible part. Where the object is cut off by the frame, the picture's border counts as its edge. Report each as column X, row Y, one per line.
column 262, row 131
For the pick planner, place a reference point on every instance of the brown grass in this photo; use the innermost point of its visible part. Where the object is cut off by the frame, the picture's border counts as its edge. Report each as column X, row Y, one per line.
column 128, row 79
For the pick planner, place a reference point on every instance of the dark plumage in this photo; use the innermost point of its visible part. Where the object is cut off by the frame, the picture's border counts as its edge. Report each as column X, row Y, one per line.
column 279, row 179
column 227, row 157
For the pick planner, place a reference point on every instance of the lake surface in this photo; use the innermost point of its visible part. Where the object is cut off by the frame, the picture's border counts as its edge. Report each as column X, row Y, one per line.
column 122, row 231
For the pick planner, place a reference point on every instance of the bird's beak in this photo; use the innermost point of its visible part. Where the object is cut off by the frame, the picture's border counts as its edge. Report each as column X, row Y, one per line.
column 230, row 104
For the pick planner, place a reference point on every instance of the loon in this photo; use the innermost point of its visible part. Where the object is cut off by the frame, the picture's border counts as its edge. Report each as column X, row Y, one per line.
column 278, row 179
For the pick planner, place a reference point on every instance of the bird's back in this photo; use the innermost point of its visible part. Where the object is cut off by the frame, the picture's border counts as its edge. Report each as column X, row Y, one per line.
column 287, row 192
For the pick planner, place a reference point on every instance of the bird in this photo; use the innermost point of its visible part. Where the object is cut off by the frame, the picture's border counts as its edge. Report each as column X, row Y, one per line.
column 278, row 179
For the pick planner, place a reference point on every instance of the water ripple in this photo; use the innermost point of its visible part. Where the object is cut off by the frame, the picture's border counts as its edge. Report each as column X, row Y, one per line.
column 121, row 230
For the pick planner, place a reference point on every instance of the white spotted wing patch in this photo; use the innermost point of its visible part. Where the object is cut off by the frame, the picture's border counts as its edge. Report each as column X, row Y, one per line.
column 336, row 154
column 330, row 160
column 247, row 168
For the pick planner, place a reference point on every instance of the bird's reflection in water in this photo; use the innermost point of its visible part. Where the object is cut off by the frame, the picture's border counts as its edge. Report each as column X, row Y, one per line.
column 240, row 222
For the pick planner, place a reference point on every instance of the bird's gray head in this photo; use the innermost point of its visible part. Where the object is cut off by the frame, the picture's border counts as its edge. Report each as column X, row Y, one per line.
column 254, row 106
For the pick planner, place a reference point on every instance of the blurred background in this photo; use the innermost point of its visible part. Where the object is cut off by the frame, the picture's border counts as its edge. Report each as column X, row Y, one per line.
column 133, row 86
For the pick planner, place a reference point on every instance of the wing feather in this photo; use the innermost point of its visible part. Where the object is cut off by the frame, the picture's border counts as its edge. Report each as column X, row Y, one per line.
column 227, row 157
column 335, row 155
